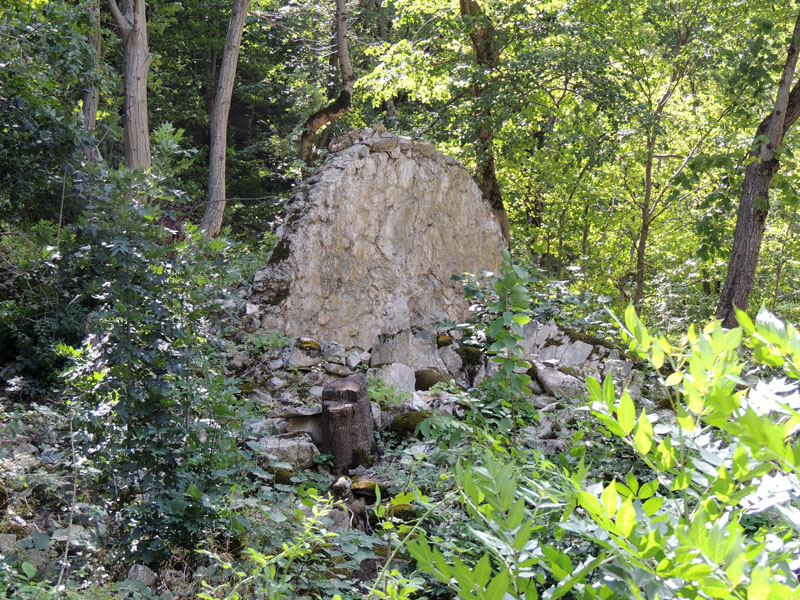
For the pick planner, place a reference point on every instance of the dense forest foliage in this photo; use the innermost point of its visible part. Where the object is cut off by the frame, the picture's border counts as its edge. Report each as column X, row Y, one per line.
column 639, row 154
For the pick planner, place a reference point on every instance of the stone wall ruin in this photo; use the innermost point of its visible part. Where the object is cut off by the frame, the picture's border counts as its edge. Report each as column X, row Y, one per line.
column 370, row 242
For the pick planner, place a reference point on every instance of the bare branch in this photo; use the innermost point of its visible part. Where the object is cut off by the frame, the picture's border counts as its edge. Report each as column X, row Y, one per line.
column 122, row 22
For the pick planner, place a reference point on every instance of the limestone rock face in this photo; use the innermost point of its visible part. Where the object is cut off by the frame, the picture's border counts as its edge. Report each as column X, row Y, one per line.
column 370, row 241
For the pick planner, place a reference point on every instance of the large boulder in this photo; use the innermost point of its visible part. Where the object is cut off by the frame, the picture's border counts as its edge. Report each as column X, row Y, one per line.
column 370, row 241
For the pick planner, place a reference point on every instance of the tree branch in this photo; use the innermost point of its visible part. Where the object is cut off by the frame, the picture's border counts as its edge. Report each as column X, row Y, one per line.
column 122, row 22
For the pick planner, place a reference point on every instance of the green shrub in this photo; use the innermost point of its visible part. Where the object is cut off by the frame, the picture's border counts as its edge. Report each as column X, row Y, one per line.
column 713, row 512
column 154, row 411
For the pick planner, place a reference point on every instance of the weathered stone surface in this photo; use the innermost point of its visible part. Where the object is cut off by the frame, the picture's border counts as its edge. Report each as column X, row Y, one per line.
column 416, row 349
column 376, row 413
column 79, row 537
column 368, row 246
column 399, row 375
column 297, row 450
column 427, row 378
column 142, row 574
column 333, row 352
column 7, row 541
column 557, row 383
column 352, row 360
column 337, row 369
column 576, row 353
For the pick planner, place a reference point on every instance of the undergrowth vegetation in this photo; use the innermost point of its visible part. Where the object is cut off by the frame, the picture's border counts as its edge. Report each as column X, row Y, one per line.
column 695, row 500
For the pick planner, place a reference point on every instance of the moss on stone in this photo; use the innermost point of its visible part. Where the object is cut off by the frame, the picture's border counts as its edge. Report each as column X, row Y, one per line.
column 404, row 426
column 443, row 340
column 363, row 458
column 280, row 252
column 403, row 512
column 470, row 355
column 248, row 387
column 366, row 487
column 276, row 294
column 282, row 476
column 309, row 345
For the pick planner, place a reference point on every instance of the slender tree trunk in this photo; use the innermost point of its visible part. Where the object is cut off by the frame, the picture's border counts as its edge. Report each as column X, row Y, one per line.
column 486, row 54
column 341, row 105
column 644, row 230
column 754, row 201
column 132, row 23
column 91, row 95
column 218, row 122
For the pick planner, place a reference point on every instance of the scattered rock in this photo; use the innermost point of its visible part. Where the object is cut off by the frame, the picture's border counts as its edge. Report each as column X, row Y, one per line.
column 77, row 535
column 142, row 574
column 560, row 384
column 425, row 379
column 337, row 369
column 576, row 354
column 398, row 375
column 25, row 449
column 353, row 360
column 7, row 541
column 296, row 449
column 333, row 352
column 404, row 426
column 299, row 358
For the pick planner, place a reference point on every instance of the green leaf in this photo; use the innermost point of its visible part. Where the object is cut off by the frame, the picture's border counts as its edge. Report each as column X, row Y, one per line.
column 609, row 499
column 630, row 480
column 609, row 394
column 643, row 438
column 499, row 586
column 674, row 379
column 28, row 569
column 595, row 391
column 194, row 491
column 652, row 505
column 626, row 413
column 626, row 517
column 610, row 424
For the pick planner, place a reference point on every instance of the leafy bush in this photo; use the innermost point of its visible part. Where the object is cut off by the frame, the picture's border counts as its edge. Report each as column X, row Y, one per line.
column 688, row 531
column 711, row 513
column 385, row 394
column 148, row 389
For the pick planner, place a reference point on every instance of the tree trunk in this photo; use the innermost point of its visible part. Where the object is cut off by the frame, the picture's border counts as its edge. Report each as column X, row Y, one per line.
column 218, row 121
column 347, row 426
column 132, row 24
column 91, row 95
column 754, row 201
column 644, row 230
column 341, row 105
column 486, row 54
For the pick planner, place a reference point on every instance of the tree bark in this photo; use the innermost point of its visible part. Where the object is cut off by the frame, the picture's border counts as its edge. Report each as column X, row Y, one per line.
column 132, row 23
column 754, row 201
column 347, row 426
column 341, row 105
column 486, row 54
column 91, row 95
column 218, row 121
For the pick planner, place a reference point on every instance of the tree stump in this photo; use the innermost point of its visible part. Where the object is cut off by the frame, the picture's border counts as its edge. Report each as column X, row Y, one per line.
column 347, row 427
